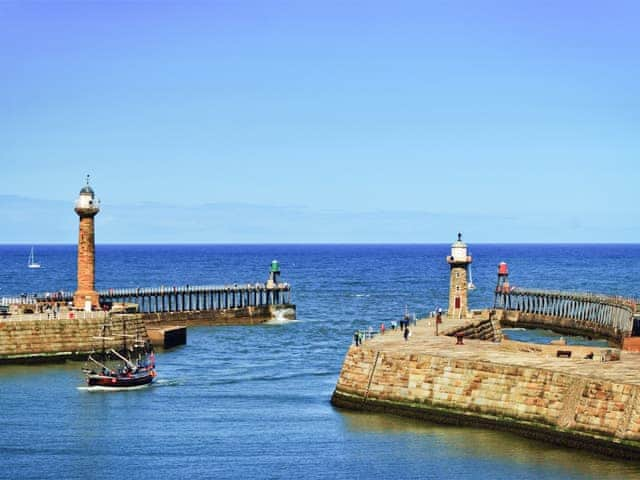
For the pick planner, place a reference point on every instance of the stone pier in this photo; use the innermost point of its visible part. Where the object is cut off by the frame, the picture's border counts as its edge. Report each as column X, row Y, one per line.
column 72, row 334
column 585, row 398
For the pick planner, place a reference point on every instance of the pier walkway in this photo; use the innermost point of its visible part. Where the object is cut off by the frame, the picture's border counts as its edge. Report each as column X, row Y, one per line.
column 177, row 298
column 423, row 340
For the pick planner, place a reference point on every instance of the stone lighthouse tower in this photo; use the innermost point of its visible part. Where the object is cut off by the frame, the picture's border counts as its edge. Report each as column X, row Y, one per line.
column 459, row 261
column 87, row 207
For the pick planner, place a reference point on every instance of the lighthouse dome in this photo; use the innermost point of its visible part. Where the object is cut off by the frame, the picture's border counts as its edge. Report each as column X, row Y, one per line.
column 87, row 204
column 87, row 190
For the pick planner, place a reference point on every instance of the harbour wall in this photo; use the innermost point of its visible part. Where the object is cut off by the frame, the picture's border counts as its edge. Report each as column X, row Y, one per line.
column 30, row 340
column 546, row 404
column 27, row 340
column 233, row 316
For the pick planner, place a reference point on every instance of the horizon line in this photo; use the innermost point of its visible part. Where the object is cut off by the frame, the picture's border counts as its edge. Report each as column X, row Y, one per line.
column 313, row 243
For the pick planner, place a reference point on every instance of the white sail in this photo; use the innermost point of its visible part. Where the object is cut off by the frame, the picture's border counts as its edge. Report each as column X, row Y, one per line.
column 470, row 284
column 32, row 260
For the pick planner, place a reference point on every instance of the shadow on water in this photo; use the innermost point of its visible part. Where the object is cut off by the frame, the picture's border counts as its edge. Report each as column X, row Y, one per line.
column 503, row 447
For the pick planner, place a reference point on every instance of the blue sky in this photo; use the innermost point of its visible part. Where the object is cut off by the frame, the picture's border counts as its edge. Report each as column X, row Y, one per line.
column 321, row 121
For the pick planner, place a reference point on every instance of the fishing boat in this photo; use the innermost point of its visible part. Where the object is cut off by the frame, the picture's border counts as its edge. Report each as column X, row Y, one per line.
column 131, row 367
column 32, row 260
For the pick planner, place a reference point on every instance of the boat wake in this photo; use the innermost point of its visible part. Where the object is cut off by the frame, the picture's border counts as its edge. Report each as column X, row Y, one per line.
column 100, row 388
column 167, row 383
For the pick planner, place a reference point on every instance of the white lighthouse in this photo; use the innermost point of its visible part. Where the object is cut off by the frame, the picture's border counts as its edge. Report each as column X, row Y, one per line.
column 459, row 261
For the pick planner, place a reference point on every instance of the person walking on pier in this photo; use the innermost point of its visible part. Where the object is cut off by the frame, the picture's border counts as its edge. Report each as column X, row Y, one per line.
column 356, row 338
column 407, row 333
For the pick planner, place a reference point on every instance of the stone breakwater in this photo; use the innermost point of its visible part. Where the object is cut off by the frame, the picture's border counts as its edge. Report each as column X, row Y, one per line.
column 36, row 338
column 234, row 316
column 573, row 401
column 33, row 339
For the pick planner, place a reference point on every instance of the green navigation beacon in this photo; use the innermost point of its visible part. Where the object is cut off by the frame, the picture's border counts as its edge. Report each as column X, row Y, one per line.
column 275, row 266
column 274, row 273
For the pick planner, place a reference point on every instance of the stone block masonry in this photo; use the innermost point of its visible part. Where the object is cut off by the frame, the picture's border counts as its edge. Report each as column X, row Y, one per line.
column 86, row 264
column 38, row 340
column 30, row 339
column 573, row 402
column 234, row 316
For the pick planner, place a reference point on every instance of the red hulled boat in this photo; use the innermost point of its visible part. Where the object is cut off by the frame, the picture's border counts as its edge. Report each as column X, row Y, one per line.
column 128, row 374
column 131, row 367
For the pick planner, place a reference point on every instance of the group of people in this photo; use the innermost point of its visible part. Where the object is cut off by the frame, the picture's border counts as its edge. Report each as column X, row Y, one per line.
column 51, row 309
column 358, row 336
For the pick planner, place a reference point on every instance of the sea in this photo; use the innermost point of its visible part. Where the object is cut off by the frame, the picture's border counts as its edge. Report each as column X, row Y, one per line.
column 253, row 402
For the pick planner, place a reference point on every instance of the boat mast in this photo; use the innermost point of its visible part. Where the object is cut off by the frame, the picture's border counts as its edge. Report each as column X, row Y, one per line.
column 125, row 360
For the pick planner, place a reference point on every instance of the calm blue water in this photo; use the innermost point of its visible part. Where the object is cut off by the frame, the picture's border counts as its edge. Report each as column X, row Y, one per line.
column 253, row 402
column 544, row 337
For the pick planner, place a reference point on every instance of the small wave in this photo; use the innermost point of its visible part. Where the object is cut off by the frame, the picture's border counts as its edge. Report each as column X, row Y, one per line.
column 280, row 321
column 361, row 295
column 517, row 329
column 282, row 317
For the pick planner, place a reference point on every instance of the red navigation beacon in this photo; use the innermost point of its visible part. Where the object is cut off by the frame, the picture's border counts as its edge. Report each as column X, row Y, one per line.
column 503, row 269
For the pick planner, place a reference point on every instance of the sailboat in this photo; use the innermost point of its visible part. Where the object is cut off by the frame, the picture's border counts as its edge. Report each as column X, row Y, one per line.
column 32, row 260
column 132, row 367
column 131, row 373
column 471, row 285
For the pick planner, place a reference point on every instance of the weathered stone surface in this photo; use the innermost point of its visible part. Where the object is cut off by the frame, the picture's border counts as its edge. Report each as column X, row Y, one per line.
column 573, row 401
column 30, row 338
column 232, row 316
column 86, row 264
column 64, row 337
